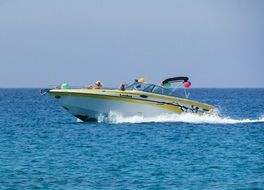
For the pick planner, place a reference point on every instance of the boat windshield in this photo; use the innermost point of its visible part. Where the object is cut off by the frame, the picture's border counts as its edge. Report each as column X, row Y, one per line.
column 153, row 89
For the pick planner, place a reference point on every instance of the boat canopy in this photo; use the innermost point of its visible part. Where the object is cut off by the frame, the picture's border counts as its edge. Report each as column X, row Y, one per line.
column 175, row 79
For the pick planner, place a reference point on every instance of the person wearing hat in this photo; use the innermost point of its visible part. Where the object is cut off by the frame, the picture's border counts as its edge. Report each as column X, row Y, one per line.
column 141, row 80
column 98, row 85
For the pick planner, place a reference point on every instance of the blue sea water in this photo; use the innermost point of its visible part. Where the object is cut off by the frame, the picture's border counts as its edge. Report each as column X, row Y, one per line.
column 44, row 147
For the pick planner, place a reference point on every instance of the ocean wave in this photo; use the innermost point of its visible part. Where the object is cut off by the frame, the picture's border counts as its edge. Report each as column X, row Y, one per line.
column 211, row 118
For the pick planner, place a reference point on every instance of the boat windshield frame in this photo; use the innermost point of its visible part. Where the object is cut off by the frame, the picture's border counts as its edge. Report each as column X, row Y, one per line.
column 152, row 88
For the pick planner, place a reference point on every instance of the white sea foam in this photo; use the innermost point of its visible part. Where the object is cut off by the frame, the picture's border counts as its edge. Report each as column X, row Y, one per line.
column 212, row 118
column 78, row 120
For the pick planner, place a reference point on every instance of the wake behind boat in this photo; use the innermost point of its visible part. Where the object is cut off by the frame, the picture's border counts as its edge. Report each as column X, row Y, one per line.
column 137, row 98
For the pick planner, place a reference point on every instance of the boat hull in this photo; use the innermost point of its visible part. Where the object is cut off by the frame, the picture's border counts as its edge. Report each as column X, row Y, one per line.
column 88, row 105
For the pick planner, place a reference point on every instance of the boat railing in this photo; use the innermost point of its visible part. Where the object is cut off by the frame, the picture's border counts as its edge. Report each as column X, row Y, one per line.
column 144, row 87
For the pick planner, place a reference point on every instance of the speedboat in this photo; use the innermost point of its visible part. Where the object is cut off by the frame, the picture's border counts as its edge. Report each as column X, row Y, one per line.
column 137, row 98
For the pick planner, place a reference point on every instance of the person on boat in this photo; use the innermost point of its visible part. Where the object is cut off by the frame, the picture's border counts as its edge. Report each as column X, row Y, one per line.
column 141, row 80
column 98, row 85
column 122, row 87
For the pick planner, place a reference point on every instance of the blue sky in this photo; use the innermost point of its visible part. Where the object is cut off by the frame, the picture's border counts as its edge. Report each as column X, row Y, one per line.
column 216, row 43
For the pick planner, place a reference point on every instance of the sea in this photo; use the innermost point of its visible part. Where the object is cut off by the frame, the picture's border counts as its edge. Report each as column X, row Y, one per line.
column 44, row 147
